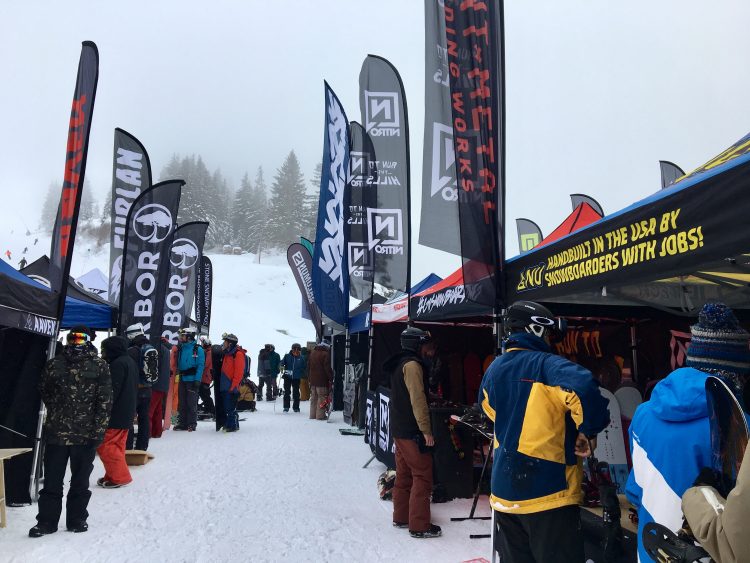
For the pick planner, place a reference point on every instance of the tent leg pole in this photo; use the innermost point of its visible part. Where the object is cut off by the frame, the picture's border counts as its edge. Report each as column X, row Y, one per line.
column 634, row 350
column 370, row 340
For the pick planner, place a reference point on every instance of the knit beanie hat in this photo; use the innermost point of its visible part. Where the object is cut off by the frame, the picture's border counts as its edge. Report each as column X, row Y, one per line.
column 718, row 341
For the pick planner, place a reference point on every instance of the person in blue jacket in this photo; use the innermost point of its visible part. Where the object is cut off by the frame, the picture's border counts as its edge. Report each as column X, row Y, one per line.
column 294, row 370
column 670, row 438
column 547, row 413
column 190, row 362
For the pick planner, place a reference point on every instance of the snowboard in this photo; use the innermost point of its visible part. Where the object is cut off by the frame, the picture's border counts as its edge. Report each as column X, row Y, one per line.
column 352, row 431
column 729, row 431
column 168, row 406
column 629, row 399
column 610, row 444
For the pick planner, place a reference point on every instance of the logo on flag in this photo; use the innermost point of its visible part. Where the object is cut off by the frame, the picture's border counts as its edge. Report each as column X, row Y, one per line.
column 443, row 161
column 184, row 254
column 381, row 114
column 385, row 231
column 359, row 259
column 152, row 223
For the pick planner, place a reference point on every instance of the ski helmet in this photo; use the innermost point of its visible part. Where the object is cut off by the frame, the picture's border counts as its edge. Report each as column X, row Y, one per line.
column 412, row 338
column 188, row 331
column 536, row 319
column 229, row 337
column 135, row 330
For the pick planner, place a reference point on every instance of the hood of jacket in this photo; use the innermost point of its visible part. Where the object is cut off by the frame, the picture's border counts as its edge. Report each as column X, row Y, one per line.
column 114, row 347
column 392, row 363
column 681, row 396
column 528, row 341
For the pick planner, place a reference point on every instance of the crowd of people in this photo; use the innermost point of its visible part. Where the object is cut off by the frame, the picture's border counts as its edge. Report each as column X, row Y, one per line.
column 114, row 402
column 547, row 413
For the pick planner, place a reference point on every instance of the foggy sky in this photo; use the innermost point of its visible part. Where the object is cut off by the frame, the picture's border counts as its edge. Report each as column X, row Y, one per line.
column 597, row 92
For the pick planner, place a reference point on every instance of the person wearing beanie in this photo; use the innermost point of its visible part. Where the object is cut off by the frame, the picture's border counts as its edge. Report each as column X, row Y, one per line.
column 670, row 436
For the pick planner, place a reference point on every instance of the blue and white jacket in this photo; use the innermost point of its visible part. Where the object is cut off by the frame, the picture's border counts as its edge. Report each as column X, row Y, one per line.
column 670, row 442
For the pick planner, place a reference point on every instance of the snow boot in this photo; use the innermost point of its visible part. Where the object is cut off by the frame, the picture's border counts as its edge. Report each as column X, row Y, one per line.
column 41, row 530
column 433, row 531
column 78, row 528
column 400, row 525
column 110, row 485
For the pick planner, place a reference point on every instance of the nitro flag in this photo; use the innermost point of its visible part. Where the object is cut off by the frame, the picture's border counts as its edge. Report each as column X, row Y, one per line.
column 300, row 262
column 330, row 276
column 383, row 107
column 438, row 227
column 203, row 292
column 670, row 173
column 148, row 238
column 184, row 258
column 363, row 192
column 529, row 235
column 475, row 28
column 64, row 233
column 578, row 199
column 131, row 174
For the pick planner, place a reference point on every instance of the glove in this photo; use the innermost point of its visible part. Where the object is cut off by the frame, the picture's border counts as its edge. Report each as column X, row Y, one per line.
column 708, row 478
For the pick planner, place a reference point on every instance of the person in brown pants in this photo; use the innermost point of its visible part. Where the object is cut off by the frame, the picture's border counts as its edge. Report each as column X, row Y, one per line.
column 320, row 376
column 412, row 433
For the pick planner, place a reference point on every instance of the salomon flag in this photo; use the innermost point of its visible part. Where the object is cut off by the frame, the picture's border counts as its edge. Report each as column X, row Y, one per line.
column 131, row 174
column 438, row 227
column 330, row 276
column 184, row 258
column 383, row 107
column 300, row 262
column 203, row 291
column 478, row 128
column 64, row 233
column 363, row 190
column 150, row 229
column 529, row 235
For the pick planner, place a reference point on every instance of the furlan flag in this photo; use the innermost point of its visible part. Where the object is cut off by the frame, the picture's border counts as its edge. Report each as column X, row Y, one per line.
column 300, row 262
column 203, row 291
column 383, row 107
column 131, row 174
column 474, row 41
column 184, row 259
column 64, row 233
column 330, row 275
column 150, row 229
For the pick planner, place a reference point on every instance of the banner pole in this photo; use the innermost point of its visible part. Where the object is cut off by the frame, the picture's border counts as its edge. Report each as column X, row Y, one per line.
column 33, row 482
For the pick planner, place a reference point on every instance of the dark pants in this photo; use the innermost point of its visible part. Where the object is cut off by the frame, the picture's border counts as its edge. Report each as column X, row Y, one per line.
column 50, row 497
column 143, row 410
column 551, row 535
column 232, row 421
column 156, row 412
column 219, row 405
column 271, row 390
column 188, row 404
column 413, row 487
column 205, row 395
column 293, row 386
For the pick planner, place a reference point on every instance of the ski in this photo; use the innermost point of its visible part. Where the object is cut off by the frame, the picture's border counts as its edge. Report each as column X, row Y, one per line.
column 729, row 430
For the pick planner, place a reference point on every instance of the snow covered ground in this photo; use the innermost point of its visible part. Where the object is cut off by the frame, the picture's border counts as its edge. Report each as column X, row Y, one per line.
column 283, row 488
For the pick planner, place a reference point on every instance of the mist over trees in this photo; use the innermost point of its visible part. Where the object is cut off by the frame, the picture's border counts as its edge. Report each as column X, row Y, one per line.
column 89, row 209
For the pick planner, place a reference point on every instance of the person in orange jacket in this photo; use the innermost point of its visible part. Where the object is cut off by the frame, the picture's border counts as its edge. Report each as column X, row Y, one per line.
column 205, row 390
column 232, row 370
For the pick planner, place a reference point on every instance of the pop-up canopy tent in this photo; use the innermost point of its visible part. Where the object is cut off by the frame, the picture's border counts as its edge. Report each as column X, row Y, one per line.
column 25, row 304
column 81, row 307
column 94, row 281
column 672, row 251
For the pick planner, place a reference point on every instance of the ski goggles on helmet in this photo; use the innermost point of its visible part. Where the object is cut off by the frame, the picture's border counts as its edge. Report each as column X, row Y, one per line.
column 78, row 338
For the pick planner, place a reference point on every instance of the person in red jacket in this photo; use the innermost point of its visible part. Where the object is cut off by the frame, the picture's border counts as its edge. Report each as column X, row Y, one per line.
column 205, row 390
column 232, row 370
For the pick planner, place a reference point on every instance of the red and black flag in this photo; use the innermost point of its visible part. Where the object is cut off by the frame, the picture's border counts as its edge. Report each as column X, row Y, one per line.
column 64, row 233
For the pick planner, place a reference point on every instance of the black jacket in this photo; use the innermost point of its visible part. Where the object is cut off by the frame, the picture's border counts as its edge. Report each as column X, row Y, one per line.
column 124, row 373
column 402, row 419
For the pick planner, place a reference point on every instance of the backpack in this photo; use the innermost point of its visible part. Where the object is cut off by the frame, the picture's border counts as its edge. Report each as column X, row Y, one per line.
column 150, row 363
column 246, row 373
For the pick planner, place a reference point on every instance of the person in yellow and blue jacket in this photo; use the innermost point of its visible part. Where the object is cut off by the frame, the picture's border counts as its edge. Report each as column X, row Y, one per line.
column 547, row 412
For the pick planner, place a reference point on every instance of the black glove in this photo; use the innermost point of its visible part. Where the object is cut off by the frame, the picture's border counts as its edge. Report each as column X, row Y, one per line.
column 708, row 478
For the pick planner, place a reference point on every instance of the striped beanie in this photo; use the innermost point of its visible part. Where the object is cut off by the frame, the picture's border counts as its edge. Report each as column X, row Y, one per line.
column 718, row 341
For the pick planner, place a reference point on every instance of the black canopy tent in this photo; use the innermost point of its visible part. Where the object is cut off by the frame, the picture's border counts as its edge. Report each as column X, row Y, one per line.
column 672, row 251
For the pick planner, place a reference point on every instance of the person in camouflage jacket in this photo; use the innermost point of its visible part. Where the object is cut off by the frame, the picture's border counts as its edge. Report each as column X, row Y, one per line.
column 77, row 390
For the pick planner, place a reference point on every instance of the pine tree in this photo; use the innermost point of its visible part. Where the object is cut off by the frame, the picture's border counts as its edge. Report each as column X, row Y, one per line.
column 50, row 205
column 310, row 208
column 287, row 203
column 88, row 209
column 257, row 215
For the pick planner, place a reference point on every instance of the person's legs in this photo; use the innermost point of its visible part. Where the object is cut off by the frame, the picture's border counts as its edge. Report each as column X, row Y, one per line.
column 144, row 422
column 50, row 497
column 402, row 486
column 322, row 396
column 205, row 395
column 420, row 465
column 274, row 385
column 261, row 383
column 313, row 402
column 230, row 411
column 513, row 541
column 182, row 404
column 81, row 466
column 555, row 535
column 112, row 454
column 295, row 395
column 156, row 413
column 191, row 408
column 287, row 392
